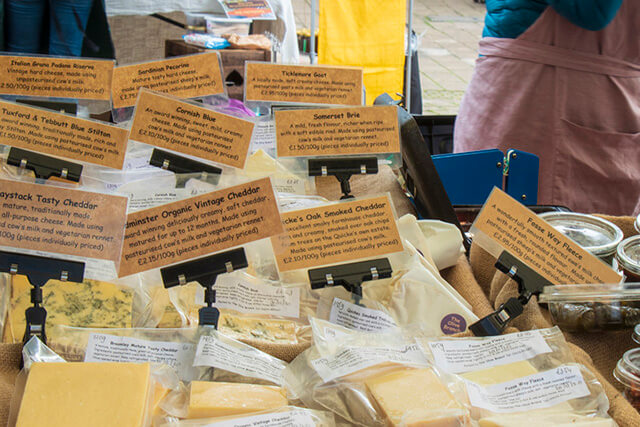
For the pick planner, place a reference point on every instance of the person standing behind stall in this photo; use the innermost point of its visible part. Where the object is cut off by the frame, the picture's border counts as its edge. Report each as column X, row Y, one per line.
column 561, row 79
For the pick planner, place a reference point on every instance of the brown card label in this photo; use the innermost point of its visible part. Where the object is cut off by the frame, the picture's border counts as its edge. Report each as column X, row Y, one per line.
column 62, row 135
column 536, row 243
column 199, row 226
column 337, row 131
column 337, row 233
column 56, row 77
column 184, row 77
column 166, row 122
column 303, row 83
column 60, row 220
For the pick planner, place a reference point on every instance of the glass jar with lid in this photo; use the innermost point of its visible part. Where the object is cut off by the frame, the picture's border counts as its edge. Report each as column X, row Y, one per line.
column 627, row 258
column 595, row 235
column 627, row 372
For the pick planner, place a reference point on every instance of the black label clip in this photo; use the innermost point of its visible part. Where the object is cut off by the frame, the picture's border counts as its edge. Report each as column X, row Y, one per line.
column 183, row 165
column 39, row 270
column 351, row 275
column 44, row 167
column 529, row 283
column 343, row 168
column 205, row 271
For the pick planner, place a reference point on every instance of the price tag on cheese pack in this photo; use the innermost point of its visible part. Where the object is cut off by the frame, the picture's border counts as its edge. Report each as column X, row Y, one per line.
column 48, row 76
column 47, row 132
column 167, row 122
column 199, row 226
column 308, row 84
column 337, row 131
column 189, row 76
column 61, row 220
column 337, row 233
column 505, row 222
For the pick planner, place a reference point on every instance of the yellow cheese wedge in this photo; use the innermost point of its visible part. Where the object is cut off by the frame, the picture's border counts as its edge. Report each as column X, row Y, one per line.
column 91, row 304
column 82, row 394
column 501, row 374
column 415, row 398
column 537, row 419
column 252, row 328
column 215, row 399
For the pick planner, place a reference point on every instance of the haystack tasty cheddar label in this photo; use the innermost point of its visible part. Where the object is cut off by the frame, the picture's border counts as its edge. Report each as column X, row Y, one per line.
column 166, row 122
column 60, row 220
column 62, row 135
column 56, row 77
column 184, row 77
column 506, row 222
column 199, row 226
column 303, row 84
column 341, row 232
column 337, row 131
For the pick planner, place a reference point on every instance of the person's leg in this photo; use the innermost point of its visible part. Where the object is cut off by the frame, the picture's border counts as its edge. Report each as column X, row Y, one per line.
column 23, row 25
column 68, row 23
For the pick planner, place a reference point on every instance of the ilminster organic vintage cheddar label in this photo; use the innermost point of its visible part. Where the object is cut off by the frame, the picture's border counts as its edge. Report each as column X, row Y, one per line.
column 303, row 84
column 60, row 220
column 62, row 135
column 166, row 122
column 184, row 77
column 199, row 226
column 337, row 131
column 341, row 232
column 505, row 221
column 56, row 77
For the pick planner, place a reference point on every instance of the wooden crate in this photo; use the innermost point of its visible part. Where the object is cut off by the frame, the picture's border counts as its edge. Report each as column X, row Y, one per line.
column 232, row 62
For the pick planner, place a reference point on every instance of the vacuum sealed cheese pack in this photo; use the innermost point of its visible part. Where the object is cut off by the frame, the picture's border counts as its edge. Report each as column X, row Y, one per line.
column 520, row 377
column 371, row 379
column 285, row 416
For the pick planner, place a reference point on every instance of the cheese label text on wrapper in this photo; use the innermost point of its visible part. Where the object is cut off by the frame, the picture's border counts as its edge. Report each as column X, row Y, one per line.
column 336, row 233
column 505, row 222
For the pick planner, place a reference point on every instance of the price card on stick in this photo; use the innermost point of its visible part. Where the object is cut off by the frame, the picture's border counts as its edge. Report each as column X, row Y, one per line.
column 200, row 225
column 337, row 131
column 61, row 220
column 308, row 84
column 337, row 233
column 59, row 134
column 189, row 76
column 505, row 224
column 56, row 77
column 167, row 122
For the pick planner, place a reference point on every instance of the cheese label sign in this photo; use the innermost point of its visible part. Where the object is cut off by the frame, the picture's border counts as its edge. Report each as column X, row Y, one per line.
column 506, row 222
column 56, row 77
column 166, row 122
column 337, row 131
column 336, row 233
column 308, row 84
column 62, row 221
column 199, row 226
column 189, row 76
column 59, row 134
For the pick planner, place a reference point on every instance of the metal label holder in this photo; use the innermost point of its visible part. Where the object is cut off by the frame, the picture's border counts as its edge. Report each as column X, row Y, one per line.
column 183, row 165
column 529, row 283
column 343, row 168
column 350, row 275
column 205, row 271
column 39, row 270
column 43, row 166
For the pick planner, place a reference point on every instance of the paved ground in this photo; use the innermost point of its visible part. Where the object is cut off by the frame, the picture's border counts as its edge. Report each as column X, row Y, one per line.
column 449, row 30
